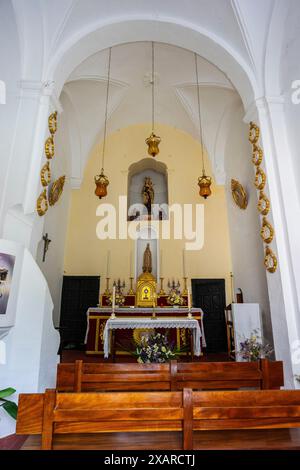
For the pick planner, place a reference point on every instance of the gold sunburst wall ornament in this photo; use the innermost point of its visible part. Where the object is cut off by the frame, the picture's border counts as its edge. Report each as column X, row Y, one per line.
column 52, row 123
column 239, row 194
column 263, row 204
column 270, row 260
column 45, row 174
column 266, row 231
column 56, row 190
column 42, row 203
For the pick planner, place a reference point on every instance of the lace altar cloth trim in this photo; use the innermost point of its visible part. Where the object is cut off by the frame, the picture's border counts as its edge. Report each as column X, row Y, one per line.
column 149, row 310
column 146, row 323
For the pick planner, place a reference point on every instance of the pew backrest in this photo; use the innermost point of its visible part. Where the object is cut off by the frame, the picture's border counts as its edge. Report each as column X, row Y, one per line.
column 81, row 376
column 262, row 375
column 92, row 377
column 67, row 413
column 217, row 410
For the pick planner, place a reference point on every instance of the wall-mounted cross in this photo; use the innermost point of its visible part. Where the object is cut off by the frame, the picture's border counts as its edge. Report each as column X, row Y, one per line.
column 47, row 242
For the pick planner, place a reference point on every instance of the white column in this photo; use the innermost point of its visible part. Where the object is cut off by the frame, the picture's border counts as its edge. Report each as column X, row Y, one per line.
column 285, row 212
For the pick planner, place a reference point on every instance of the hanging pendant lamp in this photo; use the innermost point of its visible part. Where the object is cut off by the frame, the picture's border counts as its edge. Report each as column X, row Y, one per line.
column 101, row 180
column 204, row 181
column 153, row 140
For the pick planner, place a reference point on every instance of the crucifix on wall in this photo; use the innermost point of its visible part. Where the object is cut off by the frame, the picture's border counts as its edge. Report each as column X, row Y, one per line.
column 47, row 242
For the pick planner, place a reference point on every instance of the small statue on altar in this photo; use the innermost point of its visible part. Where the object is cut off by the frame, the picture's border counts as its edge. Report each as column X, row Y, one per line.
column 148, row 194
column 147, row 260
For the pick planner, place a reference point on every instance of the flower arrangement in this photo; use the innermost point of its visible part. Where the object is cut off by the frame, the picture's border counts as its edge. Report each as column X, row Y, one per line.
column 175, row 298
column 154, row 348
column 119, row 299
column 252, row 349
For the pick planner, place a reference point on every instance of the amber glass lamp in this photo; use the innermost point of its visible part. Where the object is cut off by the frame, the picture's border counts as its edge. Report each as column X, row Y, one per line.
column 101, row 185
column 204, row 181
column 153, row 140
column 101, row 180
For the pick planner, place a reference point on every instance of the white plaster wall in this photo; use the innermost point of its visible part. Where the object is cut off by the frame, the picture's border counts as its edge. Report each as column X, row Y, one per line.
column 244, row 225
column 10, row 73
column 290, row 71
column 55, row 220
column 32, row 344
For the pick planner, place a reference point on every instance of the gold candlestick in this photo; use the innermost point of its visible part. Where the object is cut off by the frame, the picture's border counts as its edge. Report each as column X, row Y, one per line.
column 107, row 291
column 162, row 292
column 153, row 312
column 185, row 291
column 131, row 291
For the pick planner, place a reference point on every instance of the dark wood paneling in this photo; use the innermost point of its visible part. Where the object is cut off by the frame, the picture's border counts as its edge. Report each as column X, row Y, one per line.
column 78, row 294
column 209, row 294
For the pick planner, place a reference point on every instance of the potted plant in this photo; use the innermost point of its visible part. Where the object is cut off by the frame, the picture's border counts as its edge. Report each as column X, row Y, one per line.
column 9, row 406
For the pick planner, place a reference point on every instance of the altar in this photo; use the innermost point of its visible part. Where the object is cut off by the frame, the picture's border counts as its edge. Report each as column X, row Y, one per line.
column 97, row 318
column 145, row 308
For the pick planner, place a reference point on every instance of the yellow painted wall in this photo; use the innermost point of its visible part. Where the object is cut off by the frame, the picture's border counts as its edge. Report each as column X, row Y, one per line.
column 85, row 254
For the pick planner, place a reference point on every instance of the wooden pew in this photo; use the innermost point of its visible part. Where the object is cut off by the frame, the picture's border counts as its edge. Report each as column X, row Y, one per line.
column 55, row 413
column 245, row 410
column 263, row 375
column 92, row 377
column 192, row 414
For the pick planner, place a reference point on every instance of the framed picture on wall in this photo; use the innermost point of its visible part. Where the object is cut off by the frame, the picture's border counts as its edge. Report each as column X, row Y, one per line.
column 7, row 263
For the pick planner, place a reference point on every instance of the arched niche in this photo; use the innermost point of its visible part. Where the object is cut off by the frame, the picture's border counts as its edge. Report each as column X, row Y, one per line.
column 147, row 235
column 157, row 172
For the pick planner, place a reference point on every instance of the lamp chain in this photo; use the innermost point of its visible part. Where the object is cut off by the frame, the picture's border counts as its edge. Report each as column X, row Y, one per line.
column 199, row 112
column 106, row 107
column 152, row 83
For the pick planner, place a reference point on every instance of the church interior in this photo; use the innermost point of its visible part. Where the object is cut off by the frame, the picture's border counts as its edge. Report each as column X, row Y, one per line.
column 149, row 207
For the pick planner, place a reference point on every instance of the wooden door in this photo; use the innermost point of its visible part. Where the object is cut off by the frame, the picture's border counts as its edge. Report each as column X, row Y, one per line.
column 78, row 294
column 209, row 294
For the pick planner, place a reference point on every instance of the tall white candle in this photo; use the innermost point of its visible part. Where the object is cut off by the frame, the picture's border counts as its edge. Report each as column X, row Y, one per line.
column 161, row 264
column 108, row 264
column 189, row 299
column 131, row 264
column 183, row 263
column 114, row 298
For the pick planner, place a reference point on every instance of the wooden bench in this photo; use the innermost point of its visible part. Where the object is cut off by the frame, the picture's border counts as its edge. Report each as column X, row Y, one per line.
column 191, row 414
column 245, row 410
column 72, row 413
column 92, row 377
column 263, row 375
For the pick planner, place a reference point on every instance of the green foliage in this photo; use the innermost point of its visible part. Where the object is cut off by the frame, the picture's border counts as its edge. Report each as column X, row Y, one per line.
column 9, row 406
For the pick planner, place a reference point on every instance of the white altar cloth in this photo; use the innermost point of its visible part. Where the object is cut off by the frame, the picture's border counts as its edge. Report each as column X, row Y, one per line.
column 158, row 311
column 148, row 323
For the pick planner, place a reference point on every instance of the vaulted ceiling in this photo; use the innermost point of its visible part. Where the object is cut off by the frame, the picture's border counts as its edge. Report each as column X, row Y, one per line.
column 130, row 95
column 65, row 42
